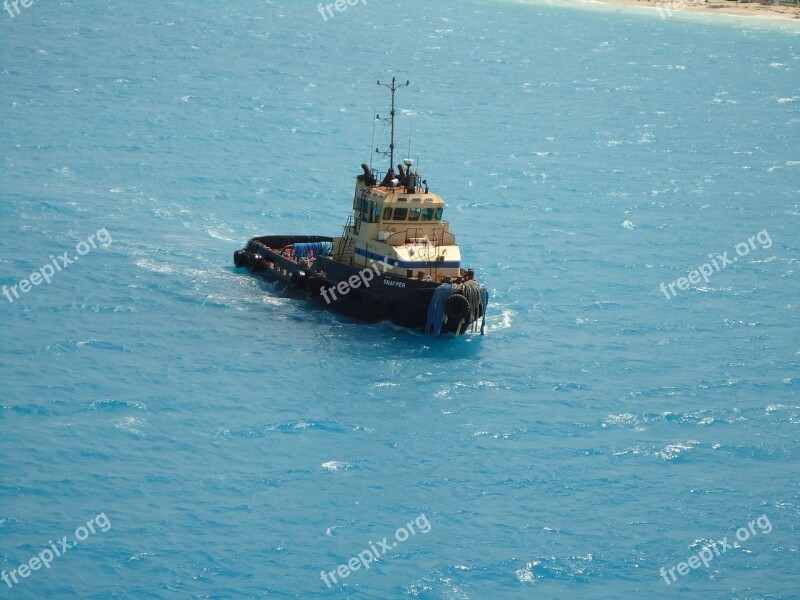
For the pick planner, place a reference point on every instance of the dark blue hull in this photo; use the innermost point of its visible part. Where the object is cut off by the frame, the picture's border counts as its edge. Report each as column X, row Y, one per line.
column 365, row 293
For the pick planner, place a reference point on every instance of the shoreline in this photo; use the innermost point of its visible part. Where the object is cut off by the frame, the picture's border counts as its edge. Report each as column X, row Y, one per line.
column 670, row 8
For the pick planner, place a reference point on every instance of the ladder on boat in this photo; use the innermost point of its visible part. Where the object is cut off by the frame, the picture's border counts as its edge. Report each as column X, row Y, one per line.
column 346, row 249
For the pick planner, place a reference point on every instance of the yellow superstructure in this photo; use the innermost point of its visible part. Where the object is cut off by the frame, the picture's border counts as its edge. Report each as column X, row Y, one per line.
column 402, row 226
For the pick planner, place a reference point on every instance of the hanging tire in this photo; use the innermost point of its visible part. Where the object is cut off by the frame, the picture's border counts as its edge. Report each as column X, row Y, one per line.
column 239, row 258
column 297, row 279
column 457, row 307
column 255, row 262
column 315, row 285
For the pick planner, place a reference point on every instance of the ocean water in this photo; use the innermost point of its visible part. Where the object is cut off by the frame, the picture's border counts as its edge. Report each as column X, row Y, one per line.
column 226, row 442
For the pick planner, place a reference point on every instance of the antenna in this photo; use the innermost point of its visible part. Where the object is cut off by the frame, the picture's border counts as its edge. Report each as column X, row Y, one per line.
column 393, row 87
column 374, row 102
column 410, row 129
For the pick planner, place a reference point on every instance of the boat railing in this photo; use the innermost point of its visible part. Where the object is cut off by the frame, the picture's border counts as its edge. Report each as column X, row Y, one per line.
column 444, row 238
column 417, row 235
column 379, row 175
column 397, row 239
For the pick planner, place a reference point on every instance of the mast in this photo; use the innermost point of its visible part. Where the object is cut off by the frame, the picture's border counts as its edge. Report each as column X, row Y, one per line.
column 393, row 87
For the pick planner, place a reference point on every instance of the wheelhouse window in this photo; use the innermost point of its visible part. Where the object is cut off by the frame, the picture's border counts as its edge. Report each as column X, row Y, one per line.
column 387, row 213
column 427, row 214
column 400, row 214
column 439, row 212
column 414, row 214
column 363, row 208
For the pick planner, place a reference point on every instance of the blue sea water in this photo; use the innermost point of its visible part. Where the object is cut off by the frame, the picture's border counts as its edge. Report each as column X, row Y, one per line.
column 237, row 443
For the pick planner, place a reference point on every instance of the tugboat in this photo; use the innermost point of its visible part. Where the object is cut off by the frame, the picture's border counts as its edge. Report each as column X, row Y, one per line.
column 396, row 259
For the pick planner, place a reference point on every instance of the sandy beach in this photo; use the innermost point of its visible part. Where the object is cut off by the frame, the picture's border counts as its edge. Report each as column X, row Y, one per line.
column 667, row 8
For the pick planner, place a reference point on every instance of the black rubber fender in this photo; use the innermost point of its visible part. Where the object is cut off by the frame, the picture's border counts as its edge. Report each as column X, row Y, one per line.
column 297, row 279
column 240, row 258
column 315, row 285
column 255, row 262
column 457, row 307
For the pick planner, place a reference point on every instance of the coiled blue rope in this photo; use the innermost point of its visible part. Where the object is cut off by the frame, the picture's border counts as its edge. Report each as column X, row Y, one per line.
column 309, row 249
column 485, row 300
column 477, row 295
column 436, row 309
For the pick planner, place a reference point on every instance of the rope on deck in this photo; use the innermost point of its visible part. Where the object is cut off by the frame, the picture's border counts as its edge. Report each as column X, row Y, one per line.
column 475, row 293
column 312, row 249
column 485, row 300
column 436, row 314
